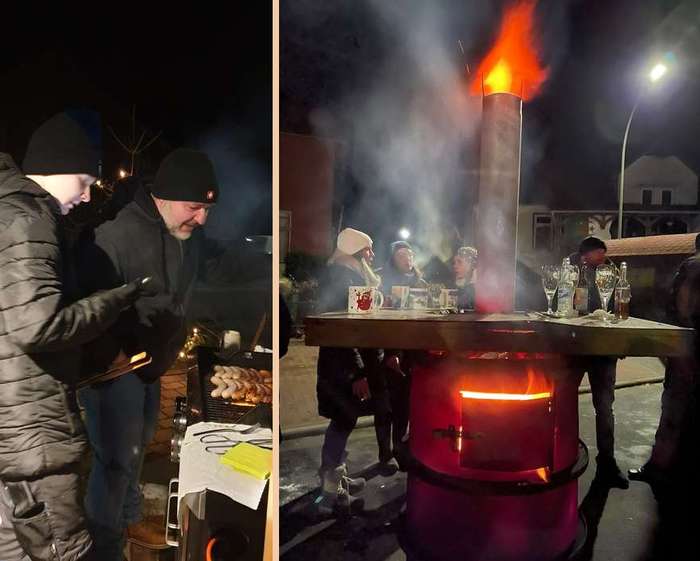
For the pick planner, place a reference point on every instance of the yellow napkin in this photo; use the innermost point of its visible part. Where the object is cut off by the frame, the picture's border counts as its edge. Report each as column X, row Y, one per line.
column 249, row 459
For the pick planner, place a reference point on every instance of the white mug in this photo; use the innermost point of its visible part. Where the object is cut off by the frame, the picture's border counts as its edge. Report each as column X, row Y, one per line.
column 364, row 299
column 399, row 295
column 419, row 298
column 448, row 298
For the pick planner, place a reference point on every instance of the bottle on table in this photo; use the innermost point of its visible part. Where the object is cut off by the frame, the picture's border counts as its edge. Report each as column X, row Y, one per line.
column 565, row 291
column 623, row 295
column 581, row 294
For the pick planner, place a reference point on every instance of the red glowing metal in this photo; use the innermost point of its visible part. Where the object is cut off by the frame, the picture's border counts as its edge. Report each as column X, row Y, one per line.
column 511, row 66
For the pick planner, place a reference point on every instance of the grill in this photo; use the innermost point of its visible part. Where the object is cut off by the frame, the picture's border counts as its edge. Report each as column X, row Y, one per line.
column 226, row 529
column 202, row 407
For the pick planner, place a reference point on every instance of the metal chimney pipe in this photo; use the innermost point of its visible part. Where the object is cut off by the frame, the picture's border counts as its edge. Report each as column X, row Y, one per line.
column 496, row 212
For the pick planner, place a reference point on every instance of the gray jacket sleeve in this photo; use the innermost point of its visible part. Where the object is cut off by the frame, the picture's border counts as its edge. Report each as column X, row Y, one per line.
column 37, row 317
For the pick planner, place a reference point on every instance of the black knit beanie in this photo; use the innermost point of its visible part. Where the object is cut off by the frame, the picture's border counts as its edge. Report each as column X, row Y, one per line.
column 60, row 146
column 186, row 175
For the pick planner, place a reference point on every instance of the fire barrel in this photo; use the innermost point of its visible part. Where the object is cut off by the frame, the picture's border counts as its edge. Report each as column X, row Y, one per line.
column 496, row 457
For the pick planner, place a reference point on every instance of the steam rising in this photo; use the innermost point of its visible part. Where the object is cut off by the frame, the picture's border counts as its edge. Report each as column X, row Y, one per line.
column 410, row 122
column 245, row 199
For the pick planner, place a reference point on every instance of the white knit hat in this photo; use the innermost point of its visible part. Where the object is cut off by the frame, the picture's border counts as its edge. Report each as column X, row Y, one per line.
column 350, row 241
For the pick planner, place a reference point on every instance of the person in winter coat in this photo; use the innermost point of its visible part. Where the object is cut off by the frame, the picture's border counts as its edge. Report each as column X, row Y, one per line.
column 42, row 326
column 347, row 377
column 156, row 232
column 602, row 371
column 464, row 271
column 401, row 269
column 680, row 385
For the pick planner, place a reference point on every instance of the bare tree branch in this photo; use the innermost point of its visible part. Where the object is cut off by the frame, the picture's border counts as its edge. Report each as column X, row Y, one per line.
column 136, row 147
column 150, row 142
column 114, row 134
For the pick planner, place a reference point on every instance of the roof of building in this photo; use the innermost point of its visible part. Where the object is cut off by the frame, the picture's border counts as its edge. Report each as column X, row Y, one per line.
column 672, row 244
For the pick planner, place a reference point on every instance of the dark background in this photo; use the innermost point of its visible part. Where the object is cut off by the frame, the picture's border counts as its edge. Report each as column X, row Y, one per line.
column 200, row 76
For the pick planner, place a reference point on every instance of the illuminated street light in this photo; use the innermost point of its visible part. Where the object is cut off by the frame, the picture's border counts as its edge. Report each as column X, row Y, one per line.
column 657, row 72
column 404, row 233
column 122, row 174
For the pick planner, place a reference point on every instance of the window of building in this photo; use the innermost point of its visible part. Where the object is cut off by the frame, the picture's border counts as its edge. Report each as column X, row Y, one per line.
column 542, row 238
column 646, row 197
column 666, row 197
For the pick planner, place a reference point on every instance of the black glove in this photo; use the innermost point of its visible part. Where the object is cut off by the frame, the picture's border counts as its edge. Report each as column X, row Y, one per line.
column 144, row 287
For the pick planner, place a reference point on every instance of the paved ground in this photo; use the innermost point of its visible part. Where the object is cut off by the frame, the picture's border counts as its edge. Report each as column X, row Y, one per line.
column 623, row 525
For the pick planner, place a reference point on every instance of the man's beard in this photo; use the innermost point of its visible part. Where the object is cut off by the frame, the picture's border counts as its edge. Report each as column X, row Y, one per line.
column 176, row 232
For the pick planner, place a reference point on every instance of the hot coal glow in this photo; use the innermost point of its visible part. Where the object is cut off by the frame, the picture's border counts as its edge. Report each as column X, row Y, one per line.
column 511, row 66
column 505, row 396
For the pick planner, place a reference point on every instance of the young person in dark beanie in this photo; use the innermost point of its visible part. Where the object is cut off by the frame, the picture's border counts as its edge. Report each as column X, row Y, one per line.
column 42, row 327
column 602, row 371
column 401, row 269
column 156, row 232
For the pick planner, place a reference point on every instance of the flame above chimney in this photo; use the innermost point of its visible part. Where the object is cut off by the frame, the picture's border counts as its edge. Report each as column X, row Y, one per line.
column 511, row 66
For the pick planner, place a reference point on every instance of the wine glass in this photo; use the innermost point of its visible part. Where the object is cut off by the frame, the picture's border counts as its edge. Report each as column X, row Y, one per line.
column 550, row 281
column 605, row 280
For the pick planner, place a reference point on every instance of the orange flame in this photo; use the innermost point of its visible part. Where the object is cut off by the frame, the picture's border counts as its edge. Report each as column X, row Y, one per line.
column 511, row 66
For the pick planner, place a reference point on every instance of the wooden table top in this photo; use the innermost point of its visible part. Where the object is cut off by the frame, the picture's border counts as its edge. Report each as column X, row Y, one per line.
column 513, row 332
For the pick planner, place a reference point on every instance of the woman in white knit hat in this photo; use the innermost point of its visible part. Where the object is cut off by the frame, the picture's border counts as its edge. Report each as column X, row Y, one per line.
column 346, row 376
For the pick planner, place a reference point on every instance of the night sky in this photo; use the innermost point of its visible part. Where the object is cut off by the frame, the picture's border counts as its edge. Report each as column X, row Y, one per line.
column 596, row 51
column 201, row 76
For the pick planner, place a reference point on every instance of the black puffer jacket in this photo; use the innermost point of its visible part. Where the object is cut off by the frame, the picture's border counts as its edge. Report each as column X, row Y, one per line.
column 134, row 245
column 337, row 367
column 41, row 331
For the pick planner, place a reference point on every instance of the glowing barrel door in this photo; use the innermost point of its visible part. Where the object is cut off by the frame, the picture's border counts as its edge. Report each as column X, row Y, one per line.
column 496, row 455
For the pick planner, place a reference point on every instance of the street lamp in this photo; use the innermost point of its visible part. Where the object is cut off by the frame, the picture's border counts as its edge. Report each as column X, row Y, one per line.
column 655, row 74
column 404, row 233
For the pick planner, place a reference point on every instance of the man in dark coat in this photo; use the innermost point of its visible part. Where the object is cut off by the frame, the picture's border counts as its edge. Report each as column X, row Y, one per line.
column 156, row 232
column 602, row 370
column 680, row 383
column 42, row 326
column 347, row 377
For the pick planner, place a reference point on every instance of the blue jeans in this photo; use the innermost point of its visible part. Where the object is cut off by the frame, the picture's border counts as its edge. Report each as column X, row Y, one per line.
column 122, row 417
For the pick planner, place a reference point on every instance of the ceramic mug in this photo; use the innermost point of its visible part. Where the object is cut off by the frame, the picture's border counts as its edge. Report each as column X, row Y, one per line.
column 364, row 299
column 419, row 298
column 448, row 298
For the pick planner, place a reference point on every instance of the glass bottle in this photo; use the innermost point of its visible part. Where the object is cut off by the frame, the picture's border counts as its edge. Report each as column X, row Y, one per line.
column 623, row 295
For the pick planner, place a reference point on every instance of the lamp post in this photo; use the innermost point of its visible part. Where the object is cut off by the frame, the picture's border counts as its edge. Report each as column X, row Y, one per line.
column 656, row 73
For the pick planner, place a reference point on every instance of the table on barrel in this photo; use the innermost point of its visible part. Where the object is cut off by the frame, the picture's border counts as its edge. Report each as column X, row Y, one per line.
column 495, row 451
column 514, row 332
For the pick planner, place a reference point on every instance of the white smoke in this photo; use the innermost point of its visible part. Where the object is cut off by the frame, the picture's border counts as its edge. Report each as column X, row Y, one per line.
column 411, row 125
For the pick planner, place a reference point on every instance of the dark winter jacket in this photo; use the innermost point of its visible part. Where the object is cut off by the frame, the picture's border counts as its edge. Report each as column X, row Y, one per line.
column 684, row 301
column 594, row 301
column 391, row 276
column 137, row 244
column 41, row 331
column 339, row 367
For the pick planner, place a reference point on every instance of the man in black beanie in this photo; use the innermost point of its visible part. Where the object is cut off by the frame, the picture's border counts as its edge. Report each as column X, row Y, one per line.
column 42, row 328
column 602, row 370
column 156, row 232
